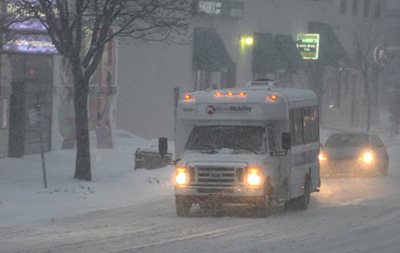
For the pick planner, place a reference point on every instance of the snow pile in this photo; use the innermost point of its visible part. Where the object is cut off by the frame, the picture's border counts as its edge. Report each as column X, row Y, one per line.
column 115, row 183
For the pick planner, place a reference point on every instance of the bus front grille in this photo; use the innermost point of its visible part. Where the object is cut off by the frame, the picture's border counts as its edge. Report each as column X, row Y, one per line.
column 217, row 177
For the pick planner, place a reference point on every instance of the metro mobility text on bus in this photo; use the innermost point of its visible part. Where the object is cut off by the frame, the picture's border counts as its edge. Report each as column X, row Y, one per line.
column 257, row 145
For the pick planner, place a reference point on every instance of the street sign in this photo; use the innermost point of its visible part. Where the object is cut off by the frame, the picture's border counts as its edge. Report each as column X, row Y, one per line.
column 308, row 45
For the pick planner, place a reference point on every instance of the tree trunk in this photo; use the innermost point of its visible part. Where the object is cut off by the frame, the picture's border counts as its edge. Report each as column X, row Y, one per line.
column 82, row 164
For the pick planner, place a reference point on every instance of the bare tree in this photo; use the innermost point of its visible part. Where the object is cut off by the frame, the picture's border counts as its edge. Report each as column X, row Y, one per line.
column 80, row 30
column 366, row 39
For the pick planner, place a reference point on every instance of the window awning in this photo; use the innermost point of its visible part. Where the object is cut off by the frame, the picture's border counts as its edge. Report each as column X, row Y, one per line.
column 274, row 53
column 288, row 56
column 209, row 52
column 331, row 49
column 264, row 53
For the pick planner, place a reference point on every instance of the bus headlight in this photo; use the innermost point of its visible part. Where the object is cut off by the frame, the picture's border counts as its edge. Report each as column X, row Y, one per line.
column 253, row 177
column 181, row 177
column 367, row 157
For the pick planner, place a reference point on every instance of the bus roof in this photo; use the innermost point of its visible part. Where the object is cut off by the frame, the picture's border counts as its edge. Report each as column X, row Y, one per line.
column 253, row 94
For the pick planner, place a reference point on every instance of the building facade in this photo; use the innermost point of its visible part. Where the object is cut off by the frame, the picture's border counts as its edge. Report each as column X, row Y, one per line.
column 345, row 98
column 216, row 55
column 391, row 60
column 36, row 93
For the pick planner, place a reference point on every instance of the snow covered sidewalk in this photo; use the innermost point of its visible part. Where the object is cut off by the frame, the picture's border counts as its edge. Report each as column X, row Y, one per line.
column 115, row 183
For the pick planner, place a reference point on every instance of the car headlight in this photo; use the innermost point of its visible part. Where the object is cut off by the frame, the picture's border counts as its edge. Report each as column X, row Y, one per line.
column 367, row 157
column 322, row 157
column 181, row 177
column 253, row 176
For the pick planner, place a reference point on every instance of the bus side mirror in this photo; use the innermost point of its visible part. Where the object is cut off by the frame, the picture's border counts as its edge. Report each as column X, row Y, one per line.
column 286, row 141
column 162, row 146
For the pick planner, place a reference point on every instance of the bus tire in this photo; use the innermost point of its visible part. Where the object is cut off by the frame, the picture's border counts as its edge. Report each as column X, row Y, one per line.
column 304, row 201
column 264, row 205
column 182, row 206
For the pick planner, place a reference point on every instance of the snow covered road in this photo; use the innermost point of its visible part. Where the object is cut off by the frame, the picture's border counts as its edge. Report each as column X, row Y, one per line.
column 348, row 215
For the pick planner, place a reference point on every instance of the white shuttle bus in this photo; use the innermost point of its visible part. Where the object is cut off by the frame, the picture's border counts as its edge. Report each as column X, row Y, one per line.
column 258, row 145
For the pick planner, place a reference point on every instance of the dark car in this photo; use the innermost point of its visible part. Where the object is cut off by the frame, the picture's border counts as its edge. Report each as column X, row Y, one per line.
column 353, row 154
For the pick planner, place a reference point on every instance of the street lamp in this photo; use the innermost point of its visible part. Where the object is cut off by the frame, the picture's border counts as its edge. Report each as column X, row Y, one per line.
column 246, row 41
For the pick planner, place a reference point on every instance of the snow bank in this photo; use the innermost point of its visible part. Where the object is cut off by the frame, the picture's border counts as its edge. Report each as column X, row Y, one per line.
column 115, row 183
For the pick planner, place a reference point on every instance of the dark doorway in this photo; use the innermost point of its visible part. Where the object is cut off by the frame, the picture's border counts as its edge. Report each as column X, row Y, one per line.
column 31, row 104
column 16, row 144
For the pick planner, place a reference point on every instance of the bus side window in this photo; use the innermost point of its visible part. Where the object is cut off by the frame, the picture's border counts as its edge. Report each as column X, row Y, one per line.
column 306, row 125
column 310, row 126
column 298, row 128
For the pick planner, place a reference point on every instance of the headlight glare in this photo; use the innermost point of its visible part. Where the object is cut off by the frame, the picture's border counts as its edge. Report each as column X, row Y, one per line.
column 253, row 176
column 367, row 157
column 322, row 157
column 181, row 177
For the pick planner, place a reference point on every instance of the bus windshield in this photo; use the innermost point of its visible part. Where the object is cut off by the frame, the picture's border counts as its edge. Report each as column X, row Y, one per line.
column 239, row 139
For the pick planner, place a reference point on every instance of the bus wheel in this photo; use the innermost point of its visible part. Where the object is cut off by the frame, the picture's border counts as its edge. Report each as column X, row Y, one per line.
column 304, row 200
column 263, row 206
column 182, row 206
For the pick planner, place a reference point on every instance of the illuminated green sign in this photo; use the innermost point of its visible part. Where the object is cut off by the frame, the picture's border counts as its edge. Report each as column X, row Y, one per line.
column 308, row 45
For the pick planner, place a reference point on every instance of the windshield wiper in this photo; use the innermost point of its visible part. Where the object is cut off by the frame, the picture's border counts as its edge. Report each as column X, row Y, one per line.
column 209, row 151
column 204, row 151
column 237, row 151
